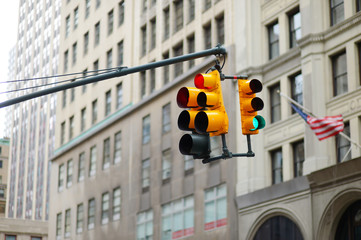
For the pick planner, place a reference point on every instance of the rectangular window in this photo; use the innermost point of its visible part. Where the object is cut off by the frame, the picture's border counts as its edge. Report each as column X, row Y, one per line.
column 117, row 147
column 298, row 158
column 166, row 121
column 62, row 133
column 110, row 22
column 337, row 11
column 69, row 173
column 166, row 69
column 67, row 26
column 188, row 164
column 339, row 72
column 110, row 58
column 145, row 175
column 153, row 33
column 94, row 111
column 178, row 20
column 145, row 225
column 178, row 67
column 191, row 48
column 82, row 119
column 105, row 208
column 215, row 207
column 81, row 167
column 273, row 40
column 108, row 101
column 297, row 88
column 67, row 223
column 10, row 237
column 275, row 103
column 116, row 203
column 97, row 3
column 144, row 40
column 72, row 94
column 61, row 177
column 119, row 95
column 58, row 225
column 207, row 33
column 166, row 24
column 220, row 29
column 152, row 80
column 143, row 84
column 71, row 127
column 121, row 8
column 64, row 99
column 166, row 165
column 79, row 218
column 76, row 17
column 276, row 158
column 359, row 59
column 66, row 61
column 358, row 5
column 97, row 34
column 93, row 161
column 191, row 12
column 96, row 66
column 207, row 4
column 343, row 145
column 146, row 130
column 120, row 60
column 294, row 21
column 91, row 213
column 87, row 8
column 178, row 218
column 106, row 153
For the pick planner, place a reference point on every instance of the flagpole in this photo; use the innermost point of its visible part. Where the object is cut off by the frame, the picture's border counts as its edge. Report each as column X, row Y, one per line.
column 308, row 111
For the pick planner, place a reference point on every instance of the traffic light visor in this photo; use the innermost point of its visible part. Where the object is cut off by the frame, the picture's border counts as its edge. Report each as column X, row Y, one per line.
column 251, row 86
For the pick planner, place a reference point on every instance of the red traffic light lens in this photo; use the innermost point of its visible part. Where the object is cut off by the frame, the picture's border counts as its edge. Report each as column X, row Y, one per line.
column 183, row 97
column 199, row 81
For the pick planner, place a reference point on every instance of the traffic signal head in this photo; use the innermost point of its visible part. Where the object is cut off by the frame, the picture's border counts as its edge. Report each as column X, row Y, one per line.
column 250, row 104
column 196, row 145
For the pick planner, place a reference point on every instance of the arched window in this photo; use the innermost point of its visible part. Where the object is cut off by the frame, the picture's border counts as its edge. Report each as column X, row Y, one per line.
column 349, row 226
column 278, row 228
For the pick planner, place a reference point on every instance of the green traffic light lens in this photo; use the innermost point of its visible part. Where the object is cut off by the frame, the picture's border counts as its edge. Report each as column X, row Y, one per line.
column 255, row 124
column 258, row 123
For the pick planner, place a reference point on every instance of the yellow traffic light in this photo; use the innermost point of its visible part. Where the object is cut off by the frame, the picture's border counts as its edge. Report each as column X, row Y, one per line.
column 250, row 104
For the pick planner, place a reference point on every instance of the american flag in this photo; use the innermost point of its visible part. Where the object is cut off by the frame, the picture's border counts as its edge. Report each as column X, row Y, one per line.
column 323, row 127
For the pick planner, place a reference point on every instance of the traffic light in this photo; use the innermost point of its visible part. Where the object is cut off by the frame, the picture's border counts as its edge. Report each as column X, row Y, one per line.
column 250, row 104
column 206, row 115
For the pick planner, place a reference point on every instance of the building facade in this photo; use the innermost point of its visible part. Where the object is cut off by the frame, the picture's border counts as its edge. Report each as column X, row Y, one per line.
column 33, row 122
column 117, row 172
column 298, row 187
column 4, row 160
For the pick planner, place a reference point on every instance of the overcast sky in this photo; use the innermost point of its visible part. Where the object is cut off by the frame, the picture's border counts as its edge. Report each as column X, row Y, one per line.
column 8, row 28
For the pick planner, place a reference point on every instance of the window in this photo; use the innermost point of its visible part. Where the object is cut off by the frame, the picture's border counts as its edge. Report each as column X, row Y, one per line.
column 72, row 94
column 67, row 26
column 275, row 228
column 110, row 22
column 220, row 29
column 10, row 237
column 166, row 69
column 69, row 173
column 96, row 66
column 178, row 21
column 349, row 224
column 153, row 33
column 116, row 203
column 87, row 8
column 359, row 58
column 178, row 218
column 188, row 164
column 105, row 208
column 106, row 153
column 71, row 127
column 145, row 175
column 178, row 67
column 61, row 177
column 93, row 160
column 35, row 238
column 358, row 5
column 144, row 40
column 276, row 158
column 343, row 145
column 337, row 11
column 2, row 193
column 81, row 167
column 207, row 32
column 108, row 101
column 66, row 61
column 79, row 218
column 62, row 133
column 117, row 147
column 83, row 89
column 145, row 5
column 166, row 121
column 109, row 58
column 166, row 165
column 273, row 40
column 191, row 48
column 83, row 119
column 207, row 4
column 98, row 3
column 294, row 19
column 121, row 11
column 152, row 80
column 119, row 95
column 297, row 88
column 215, row 207
column 275, row 103
column 67, row 223
column 166, row 24
column 120, row 60
column 94, row 111
column 97, row 34
column 298, row 158
column 91, row 213
column 58, row 225
column 86, row 43
column 191, row 12
column 339, row 70
column 146, row 129
column 76, row 17
column 145, row 225
column 142, row 84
